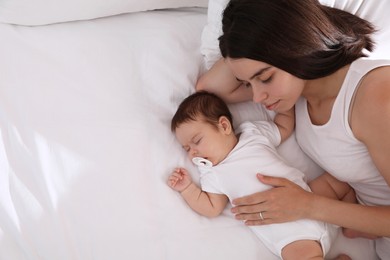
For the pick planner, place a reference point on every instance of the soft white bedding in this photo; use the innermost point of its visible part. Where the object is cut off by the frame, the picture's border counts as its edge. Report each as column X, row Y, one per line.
column 86, row 147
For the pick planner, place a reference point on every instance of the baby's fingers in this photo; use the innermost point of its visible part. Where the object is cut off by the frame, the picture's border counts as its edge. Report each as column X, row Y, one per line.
column 172, row 180
column 177, row 175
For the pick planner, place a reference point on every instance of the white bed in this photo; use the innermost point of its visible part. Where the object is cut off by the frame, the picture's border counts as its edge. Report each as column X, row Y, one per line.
column 86, row 100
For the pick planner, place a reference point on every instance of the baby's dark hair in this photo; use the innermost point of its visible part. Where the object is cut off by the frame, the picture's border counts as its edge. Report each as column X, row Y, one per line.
column 202, row 104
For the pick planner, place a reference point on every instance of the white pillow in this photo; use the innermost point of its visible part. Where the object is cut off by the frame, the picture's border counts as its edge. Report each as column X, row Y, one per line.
column 373, row 11
column 41, row 12
column 213, row 29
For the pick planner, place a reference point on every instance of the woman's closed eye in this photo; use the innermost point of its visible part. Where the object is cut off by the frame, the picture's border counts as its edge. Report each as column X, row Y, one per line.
column 267, row 80
column 264, row 80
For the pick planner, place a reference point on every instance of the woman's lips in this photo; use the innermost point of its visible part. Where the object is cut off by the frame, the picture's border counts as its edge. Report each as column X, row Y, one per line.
column 272, row 106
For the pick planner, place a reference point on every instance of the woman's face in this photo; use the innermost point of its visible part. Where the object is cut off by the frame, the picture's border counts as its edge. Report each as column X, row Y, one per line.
column 276, row 89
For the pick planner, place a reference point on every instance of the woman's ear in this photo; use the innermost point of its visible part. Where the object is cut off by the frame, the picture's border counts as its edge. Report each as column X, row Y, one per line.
column 225, row 124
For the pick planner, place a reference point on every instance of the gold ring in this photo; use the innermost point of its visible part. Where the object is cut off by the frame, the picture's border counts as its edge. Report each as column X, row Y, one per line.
column 261, row 215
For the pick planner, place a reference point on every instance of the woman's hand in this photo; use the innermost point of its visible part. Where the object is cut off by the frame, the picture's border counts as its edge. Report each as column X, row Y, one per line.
column 285, row 202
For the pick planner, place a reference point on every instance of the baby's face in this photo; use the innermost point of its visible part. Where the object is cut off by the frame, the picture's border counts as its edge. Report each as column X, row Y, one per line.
column 201, row 139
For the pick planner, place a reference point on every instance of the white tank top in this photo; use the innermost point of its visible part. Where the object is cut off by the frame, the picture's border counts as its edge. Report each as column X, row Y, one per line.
column 333, row 145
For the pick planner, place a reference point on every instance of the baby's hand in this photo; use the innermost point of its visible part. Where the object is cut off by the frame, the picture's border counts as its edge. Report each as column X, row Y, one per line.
column 179, row 179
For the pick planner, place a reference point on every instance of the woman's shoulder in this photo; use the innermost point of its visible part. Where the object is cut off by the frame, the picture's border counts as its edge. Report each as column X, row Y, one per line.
column 372, row 101
column 375, row 84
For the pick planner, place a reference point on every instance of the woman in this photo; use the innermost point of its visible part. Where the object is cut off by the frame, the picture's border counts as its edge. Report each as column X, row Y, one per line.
column 286, row 53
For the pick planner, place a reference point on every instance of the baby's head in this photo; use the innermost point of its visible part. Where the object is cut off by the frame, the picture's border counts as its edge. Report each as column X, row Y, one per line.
column 203, row 125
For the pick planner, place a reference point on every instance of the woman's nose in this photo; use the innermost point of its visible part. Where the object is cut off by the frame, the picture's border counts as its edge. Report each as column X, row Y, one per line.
column 259, row 95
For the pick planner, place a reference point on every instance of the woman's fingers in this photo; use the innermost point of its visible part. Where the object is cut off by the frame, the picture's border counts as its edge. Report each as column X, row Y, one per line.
column 260, row 197
column 259, row 218
column 249, row 208
column 284, row 202
column 273, row 181
column 248, row 203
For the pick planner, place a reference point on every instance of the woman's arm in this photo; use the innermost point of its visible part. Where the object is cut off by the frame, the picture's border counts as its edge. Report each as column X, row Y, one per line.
column 221, row 81
column 289, row 202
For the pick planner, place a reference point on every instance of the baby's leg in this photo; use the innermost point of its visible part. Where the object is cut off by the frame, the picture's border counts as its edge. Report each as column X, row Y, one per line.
column 302, row 250
column 306, row 249
column 328, row 186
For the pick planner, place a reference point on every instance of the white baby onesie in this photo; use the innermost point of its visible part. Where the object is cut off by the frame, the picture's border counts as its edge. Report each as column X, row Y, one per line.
column 235, row 176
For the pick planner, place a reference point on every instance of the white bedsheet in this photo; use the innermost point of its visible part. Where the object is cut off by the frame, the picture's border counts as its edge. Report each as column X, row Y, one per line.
column 86, row 147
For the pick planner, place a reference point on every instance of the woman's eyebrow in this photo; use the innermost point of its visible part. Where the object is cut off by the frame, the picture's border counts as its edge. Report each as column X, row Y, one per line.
column 258, row 73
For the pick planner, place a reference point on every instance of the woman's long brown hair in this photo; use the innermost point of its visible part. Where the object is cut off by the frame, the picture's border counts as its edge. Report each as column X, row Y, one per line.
column 302, row 37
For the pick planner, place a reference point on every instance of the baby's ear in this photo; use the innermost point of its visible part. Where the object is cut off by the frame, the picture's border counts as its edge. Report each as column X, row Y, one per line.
column 225, row 124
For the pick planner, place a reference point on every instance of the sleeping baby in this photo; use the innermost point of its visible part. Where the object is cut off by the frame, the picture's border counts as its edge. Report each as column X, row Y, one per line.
column 228, row 160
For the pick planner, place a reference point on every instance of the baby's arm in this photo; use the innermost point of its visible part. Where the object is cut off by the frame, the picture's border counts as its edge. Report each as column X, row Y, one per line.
column 286, row 123
column 206, row 204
